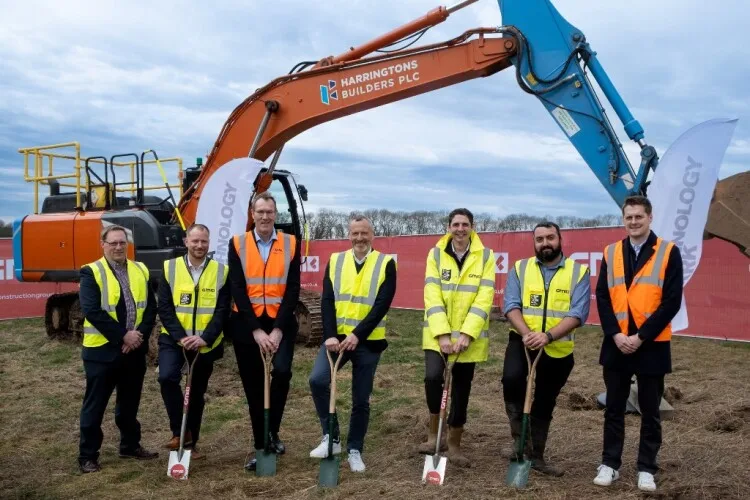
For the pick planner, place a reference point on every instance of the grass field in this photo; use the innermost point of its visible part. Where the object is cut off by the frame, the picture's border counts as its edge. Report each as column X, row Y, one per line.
column 705, row 452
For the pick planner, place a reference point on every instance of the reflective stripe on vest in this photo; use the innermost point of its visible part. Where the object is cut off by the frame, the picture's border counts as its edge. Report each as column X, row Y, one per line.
column 265, row 282
column 354, row 293
column 109, row 288
column 645, row 292
column 195, row 304
column 542, row 308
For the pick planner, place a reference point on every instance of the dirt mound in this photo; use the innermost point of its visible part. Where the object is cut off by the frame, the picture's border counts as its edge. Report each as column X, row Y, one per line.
column 672, row 395
column 732, row 420
column 578, row 401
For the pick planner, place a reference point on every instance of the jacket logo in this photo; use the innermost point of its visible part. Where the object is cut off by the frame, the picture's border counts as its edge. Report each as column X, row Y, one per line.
column 186, row 299
column 475, row 276
column 535, row 300
column 446, row 274
column 212, row 290
column 562, row 290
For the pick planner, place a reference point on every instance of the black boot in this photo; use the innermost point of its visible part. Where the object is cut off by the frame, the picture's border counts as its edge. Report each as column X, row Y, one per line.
column 515, row 416
column 539, row 431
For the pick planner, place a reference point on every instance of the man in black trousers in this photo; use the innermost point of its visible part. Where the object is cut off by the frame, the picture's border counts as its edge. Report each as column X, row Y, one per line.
column 264, row 276
column 119, row 312
column 638, row 293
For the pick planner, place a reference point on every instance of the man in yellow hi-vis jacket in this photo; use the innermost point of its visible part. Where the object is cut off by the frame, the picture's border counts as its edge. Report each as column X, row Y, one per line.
column 546, row 298
column 194, row 301
column 458, row 292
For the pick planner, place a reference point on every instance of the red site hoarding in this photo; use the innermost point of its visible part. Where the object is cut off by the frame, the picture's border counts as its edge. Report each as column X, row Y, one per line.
column 718, row 303
column 23, row 300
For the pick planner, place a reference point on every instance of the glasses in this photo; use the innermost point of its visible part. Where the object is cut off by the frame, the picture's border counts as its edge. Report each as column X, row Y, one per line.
column 267, row 213
column 116, row 243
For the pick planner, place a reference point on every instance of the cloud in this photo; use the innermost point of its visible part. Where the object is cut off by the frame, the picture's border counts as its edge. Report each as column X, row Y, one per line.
column 117, row 78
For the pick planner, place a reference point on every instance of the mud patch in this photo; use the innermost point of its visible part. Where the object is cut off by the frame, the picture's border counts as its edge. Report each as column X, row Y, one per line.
column 732, row 420
column 578, row 401
column 672, row 395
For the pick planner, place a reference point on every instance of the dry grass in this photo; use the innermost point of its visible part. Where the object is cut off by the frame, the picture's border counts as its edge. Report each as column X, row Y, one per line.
column 705, row 452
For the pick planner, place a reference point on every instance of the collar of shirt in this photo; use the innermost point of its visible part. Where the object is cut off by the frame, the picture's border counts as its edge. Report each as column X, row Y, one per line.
column 559, row 264
column 636, row 248
column 259, row 240
column 195, row 268
column 455, row 252
column 117, row 265
column 363, row 258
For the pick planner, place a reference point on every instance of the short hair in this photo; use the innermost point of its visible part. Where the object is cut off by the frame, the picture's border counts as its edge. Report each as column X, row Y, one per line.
column 195, row 226
column 265, row 195
column 637, row 200
column 548, row 225
column 111, row 228
column 357, row 217
column 461, row 211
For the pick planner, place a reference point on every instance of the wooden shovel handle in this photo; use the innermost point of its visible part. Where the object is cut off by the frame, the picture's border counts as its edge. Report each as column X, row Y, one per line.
column 531, row 377
column 334, row 371
column 267, row 365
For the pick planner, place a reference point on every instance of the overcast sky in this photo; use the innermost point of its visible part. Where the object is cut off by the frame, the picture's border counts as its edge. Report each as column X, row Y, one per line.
column 127, row 76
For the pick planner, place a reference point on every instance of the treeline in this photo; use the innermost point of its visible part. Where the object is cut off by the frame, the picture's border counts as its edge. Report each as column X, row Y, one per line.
column 6, row 229
column 329, row 224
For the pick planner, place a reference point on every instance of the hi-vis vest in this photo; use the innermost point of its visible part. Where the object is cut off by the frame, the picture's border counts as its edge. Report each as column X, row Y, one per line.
column 543, row 307
column 355, row 292
column 195, row 304
column 459, row 301
column 644, row 294
column 265, row 282
column 110, row 292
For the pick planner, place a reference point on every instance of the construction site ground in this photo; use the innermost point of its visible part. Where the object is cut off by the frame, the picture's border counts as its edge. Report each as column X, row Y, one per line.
column 704, row 455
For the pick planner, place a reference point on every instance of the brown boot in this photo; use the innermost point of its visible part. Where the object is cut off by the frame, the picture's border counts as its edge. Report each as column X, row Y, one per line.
column 454, row 447
column 428, row 447
column 539, row 431
column 174, row 443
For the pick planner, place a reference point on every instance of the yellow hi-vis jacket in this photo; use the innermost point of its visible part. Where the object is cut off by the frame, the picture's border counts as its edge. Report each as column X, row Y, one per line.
column 110, row 292
column 544, row 308
column 195, row 304
column 355, row 293
column 459, row 302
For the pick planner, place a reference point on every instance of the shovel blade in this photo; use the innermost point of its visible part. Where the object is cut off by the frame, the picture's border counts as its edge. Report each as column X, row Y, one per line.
column 431, row 473
column 518, row 473
column 266, row 463
column 178, row 468
column 328, row 477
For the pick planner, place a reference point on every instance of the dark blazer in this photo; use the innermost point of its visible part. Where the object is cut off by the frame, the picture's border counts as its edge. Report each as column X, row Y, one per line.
column 168, row 317
column 90, row 297
column 243, row 322
column 652, row 357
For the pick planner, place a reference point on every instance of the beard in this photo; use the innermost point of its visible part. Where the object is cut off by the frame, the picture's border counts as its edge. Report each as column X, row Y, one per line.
column 548, row 254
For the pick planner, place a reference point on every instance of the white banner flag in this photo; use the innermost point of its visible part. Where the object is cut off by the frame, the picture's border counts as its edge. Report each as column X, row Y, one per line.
column 681, row 192
column 224, row 202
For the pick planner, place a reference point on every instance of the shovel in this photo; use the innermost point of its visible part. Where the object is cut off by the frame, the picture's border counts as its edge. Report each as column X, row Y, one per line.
column 179, row 460
column 266, row 459
column 518, row 470
column 434, row 466
column 328, row 477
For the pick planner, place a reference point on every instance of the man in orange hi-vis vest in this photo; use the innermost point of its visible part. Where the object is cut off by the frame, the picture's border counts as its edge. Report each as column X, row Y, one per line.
column 264, row 275
column 638, row 293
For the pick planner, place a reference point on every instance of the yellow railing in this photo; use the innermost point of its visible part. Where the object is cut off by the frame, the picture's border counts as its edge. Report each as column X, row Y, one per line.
column 34, row 160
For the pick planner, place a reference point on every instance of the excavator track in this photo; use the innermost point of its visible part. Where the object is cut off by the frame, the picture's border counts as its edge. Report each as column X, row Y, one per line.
column 63, row 318
column 309, row 319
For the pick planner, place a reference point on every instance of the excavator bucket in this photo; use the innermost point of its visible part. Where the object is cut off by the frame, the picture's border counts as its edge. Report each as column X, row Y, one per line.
column 729, row 215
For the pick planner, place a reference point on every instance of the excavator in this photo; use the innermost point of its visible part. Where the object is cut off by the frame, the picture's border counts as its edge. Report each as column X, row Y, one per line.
column 552, row 60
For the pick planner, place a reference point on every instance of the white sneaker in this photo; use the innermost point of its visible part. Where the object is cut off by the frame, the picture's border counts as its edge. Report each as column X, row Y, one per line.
column 646, row 481
column 355, row 461
column 322, row 449
column 606, row 476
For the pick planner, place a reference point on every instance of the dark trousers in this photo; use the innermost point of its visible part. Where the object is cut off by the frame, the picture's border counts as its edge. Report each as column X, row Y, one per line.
column 250, row 365
column 650, row 392
column 171, row 361
column 126, row 375
column 551, row 376
column 364, row 364
column 462, row 376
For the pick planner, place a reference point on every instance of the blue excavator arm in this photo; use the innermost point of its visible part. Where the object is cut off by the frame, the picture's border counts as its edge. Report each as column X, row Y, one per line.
column 552, row 63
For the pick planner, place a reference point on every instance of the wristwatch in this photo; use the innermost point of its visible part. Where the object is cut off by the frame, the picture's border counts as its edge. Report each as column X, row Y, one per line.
column 549, row 337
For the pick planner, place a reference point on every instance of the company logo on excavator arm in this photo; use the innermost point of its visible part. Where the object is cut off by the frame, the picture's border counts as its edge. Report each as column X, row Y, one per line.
column 327, row 92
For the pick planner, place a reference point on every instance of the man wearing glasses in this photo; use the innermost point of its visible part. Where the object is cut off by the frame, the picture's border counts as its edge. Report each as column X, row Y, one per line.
column 264, row 276
column 119, row 312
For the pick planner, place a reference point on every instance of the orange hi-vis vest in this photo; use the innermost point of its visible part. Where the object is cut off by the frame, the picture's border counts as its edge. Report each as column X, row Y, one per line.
column 644, row 294
column 265, row 282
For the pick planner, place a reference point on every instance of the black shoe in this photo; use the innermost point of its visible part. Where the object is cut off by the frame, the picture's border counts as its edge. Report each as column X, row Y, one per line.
column 139, row 453
column 275, row 445
column 87, row 466
column 250, row 465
